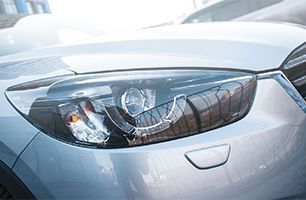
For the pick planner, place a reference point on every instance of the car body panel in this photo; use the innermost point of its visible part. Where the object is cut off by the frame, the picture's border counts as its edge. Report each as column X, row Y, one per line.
column 266, row 161
column 245, row 46
column 16, row 132
column 267, row 147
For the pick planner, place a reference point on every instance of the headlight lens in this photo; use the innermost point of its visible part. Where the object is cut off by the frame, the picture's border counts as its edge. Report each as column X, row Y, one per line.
column 122, row 109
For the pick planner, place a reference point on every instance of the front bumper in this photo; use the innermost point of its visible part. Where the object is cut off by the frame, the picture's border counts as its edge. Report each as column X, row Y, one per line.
column 267, row 160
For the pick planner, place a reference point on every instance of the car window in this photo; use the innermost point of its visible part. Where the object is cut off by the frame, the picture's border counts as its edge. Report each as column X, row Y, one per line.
column 205, row 17
column 231, row 10
column 266, row 3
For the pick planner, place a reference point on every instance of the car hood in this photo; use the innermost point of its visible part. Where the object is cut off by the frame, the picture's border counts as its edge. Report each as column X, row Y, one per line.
column 232, row 45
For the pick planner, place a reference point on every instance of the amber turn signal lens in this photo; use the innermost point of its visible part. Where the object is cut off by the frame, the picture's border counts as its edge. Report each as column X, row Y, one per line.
column 72, row 118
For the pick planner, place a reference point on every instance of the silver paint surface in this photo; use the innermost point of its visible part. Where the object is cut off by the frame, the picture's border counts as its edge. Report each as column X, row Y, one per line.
column 267, row 161
column 232, row 45
column 15, row 131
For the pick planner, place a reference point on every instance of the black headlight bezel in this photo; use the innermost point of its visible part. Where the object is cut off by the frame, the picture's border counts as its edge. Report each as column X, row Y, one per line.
column 294, row 67
column 117, row 141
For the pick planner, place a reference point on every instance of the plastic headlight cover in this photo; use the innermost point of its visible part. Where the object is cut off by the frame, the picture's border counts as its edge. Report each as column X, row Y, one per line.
column 122, row 109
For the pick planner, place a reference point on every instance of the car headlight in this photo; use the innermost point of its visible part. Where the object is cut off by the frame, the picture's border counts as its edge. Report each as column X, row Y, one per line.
column 121, row 109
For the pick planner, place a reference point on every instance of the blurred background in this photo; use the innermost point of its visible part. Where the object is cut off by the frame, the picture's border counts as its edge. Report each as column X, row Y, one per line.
column 119, row 14
column 32, row 24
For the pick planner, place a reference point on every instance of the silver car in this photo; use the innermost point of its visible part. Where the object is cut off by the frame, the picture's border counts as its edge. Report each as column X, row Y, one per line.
column 226, row 10
column 206, row 111
column 284, row 11
column 288, row 11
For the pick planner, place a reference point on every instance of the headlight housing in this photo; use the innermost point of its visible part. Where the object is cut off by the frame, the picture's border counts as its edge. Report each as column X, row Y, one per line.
column 122, row 109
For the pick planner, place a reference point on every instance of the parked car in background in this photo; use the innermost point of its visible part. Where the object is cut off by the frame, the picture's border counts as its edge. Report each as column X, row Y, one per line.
column 22, row 33
column 285, row 11
column 288, row 11
column 200, row 111
column 225, row 10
